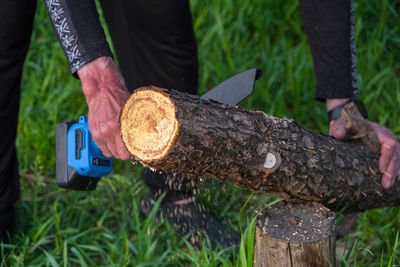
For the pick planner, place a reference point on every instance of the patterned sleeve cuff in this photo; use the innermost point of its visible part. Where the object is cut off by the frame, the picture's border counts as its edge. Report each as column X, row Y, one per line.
column 85, row 59
column 77, row 53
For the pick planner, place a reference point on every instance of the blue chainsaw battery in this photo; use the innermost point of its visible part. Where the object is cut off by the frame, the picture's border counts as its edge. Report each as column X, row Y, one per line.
column 83, row 153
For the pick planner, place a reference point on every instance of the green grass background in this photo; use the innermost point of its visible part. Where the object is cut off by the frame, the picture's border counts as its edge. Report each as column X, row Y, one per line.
column 56, row 227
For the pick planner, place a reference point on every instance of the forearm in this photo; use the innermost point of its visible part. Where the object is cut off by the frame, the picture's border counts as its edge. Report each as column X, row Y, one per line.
column 334, row 102
column 92, row 83
column 76, row 24
column 101, row 78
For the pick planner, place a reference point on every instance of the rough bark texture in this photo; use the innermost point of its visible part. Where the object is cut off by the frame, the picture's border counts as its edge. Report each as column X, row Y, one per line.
column 267, row 154
column 302, row 234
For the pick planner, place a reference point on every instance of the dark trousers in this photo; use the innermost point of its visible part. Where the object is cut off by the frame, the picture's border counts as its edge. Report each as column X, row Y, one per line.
column 16, row 20
column 155, row 45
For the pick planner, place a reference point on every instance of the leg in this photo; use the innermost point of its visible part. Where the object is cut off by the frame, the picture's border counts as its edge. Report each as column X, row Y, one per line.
column 15, row 31
column 155, row 44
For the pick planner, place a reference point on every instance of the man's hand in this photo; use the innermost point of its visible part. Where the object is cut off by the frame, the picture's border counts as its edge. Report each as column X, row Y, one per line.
column 106, row 93
column 389, row 160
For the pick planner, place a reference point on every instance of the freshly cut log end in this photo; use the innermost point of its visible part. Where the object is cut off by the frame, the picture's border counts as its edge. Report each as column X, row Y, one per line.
column 149, row 125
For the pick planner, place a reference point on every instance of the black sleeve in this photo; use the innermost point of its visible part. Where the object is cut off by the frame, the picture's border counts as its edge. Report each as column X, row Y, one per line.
column 77, row 26
column 330, row 32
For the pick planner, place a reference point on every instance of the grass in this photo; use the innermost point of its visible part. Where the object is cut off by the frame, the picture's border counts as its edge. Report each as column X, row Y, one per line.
column 104, row 227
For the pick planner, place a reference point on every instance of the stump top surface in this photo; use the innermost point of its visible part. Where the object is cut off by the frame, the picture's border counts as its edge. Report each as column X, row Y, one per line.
column 297, row 222
column 148, row 124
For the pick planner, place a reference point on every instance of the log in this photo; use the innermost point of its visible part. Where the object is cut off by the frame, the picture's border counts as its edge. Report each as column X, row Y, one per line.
column 178, row 132
column 300, row 234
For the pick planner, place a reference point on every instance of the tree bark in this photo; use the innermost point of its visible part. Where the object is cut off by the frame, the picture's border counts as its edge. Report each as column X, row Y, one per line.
column 302, row 234
column 178, row 132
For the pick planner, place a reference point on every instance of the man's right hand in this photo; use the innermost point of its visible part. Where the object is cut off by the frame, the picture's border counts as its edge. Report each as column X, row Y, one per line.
column 106, row 93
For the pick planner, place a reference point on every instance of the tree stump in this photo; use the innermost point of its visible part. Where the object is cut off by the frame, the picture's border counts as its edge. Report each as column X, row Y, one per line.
column 298, row 234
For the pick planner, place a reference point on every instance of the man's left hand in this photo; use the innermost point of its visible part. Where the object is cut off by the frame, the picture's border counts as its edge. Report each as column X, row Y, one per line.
column 389, row 159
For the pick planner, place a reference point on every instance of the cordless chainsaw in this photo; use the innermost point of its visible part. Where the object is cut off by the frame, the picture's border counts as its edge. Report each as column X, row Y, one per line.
column 80, row 163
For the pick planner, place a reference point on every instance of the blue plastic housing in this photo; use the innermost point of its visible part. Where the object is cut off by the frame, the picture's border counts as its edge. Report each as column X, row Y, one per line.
column 83, row 154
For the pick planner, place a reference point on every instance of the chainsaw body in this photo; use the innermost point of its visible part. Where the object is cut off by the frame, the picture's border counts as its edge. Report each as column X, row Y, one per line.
column 79, row 161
